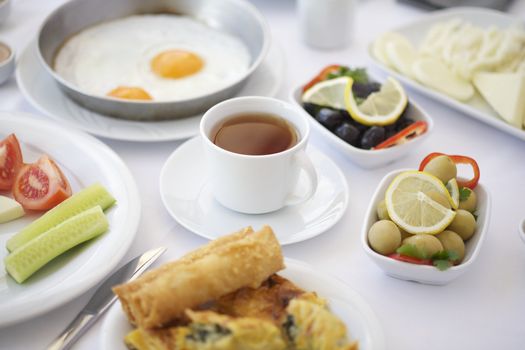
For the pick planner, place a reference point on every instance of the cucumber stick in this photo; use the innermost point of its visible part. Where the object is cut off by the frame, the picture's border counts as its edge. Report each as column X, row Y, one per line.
column 29, row 258
column 88, row 198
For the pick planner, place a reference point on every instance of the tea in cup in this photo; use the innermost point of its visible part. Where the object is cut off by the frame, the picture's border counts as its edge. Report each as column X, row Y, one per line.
column 255, row 153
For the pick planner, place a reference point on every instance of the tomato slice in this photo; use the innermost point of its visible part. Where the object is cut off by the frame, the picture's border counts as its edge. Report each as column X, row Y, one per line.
column 11, row 161
column 323, row 74
column 404, row 135
column 41, row 185
column 409, row 259
column 457, row 159
column 64, row 183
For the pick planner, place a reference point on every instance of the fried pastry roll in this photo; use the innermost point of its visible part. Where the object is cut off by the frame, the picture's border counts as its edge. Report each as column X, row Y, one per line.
column 243, row 259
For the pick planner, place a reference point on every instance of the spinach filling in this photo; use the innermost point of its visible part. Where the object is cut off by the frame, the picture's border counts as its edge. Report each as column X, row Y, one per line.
column 207, row 332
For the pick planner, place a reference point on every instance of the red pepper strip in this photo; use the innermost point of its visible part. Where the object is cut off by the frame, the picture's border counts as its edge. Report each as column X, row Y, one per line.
column 405, row 135
column 322, row 75
column 457, row 159
column 409, row 259
column 428, row 158
column 475, row 168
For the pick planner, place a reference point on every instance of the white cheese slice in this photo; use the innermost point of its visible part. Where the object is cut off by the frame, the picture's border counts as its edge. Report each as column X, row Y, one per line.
column 436, row 75
column 379, row 46
column 505, row 92
column 402, row 54
column 9, row 209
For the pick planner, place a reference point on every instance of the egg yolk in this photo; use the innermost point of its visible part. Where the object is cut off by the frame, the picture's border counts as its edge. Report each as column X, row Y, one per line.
column 176, row 64
column 130, row 93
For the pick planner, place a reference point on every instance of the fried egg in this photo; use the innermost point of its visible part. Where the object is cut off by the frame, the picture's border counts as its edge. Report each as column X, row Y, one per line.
column 152, row 57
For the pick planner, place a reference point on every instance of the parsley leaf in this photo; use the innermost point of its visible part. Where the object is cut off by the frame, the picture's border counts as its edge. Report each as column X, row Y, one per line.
column 445, row 255
column 442, row 265
column 444, row 259
column 464, row 193
column 358, row 75
column 412, row 251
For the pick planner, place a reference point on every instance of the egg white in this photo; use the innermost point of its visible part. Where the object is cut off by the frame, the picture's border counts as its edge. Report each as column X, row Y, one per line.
column 118, row 53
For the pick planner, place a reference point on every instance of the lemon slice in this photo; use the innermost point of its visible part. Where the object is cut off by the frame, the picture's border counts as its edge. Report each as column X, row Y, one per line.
column 330, row 93
column 383, row 107
column 453, row 189
column 411, row 208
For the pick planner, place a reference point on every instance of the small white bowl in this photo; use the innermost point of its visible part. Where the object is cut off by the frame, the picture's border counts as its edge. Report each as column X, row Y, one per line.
column 369, row 158
column 7, row 67
column 521, row 230
column 5, row 9
column 424, row 273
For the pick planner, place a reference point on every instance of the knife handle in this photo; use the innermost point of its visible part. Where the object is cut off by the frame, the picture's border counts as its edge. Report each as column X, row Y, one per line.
column 72, row 332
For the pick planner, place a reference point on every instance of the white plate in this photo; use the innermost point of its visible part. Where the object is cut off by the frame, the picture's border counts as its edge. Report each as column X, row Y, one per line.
column 187, row 196
column 363, row 157
column 44, row 94
column 84, row 161
column 423, row 273
column 416, row 31
column 359, row 318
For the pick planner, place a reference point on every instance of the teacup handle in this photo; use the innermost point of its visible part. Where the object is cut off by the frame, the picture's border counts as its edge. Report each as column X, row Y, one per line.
column 304, row 163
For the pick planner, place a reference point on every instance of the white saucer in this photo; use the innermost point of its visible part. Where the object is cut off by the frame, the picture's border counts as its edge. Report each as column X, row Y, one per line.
column 187, row 196
column 44, row 94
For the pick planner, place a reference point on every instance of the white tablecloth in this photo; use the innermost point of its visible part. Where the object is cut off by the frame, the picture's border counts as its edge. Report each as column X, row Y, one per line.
column 483, row 309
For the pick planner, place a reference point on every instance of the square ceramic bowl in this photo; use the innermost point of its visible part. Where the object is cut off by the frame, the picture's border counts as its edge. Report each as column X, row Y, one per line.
column 521, row 230
column 368, row 158
column 424, row 273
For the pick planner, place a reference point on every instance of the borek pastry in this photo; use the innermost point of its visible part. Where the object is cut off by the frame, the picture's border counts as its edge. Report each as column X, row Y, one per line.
column 311, row 326
column 242, row 259
column 210, row 331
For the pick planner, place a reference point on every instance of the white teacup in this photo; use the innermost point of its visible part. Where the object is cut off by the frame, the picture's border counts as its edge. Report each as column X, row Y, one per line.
column 256, row 184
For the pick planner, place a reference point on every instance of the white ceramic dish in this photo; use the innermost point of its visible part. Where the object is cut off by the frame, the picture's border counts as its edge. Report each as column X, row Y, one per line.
column 477, row 108
column 369, row 158
column 521, row 230
column 7, row 67
column 84, row 160
column 186, row 194
column 43, row 93
column 422, row 273
column 359, row 318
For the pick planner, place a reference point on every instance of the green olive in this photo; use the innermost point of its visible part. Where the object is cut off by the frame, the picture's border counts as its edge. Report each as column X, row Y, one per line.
column 442, row 167
column 453, row 242
column 464, row 224
column 427, row 244
column 440, row 198
column 382, row 212
column 471, row 202
column 384, row 237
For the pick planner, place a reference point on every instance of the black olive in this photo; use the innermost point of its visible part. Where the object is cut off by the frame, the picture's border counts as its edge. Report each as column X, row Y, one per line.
column 372, row 137
column 360, row 127
column 330, row 118
column 363, row 90
column 348, row 133
column 390, row 130
column 311, row 108
column 403, row 122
